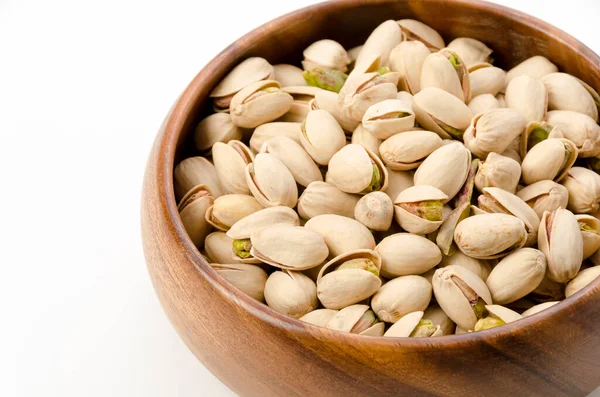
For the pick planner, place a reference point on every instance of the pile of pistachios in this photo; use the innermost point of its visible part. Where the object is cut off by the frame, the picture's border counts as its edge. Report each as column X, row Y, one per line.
column 403, row 188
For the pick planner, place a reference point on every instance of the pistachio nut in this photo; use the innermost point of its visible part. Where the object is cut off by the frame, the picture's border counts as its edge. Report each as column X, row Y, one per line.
column 247, row 72
column 493, row 131
column 465, row 194
column 288, row 247
column 387, row 118
column 230, row 208
column 407, row 254
column 230, row 161
column 217, row 127
column 584, row 190
column 192, row 195
column 418, row 209
column 446, row 168
column 406, row 151
column 446, row 70
column 327, row 79
column 548, row 290
column 537, row 66
column 416, row 30
column 249, row 279
column 405, row 97
column 380, row 43
column 579, row 128
column 489, row 236
column 218, row 249
column 445, row 234
column 271, row 182
column 496, row 200
column 375, row 210
column 497, row 316
column 486, row 79
column 536, row 132
column 441, row 112
column 349, row 278
column 590, row 233
column 538, row 308
column 324, row 198
column 353, row 54
column 341, row 234
column 363, row 90
column 582, row 280
column 501, row 100
column 288, row 75
column 291, row 293
column 192, row 214
column 401, row 296
column 498, row 171
column 398, row 182
column 544, row 196
column 319, row 317
column 362, row 137
column 407, row 58
column 471, row 51
column 560, row 239
column 326, row 54
column 329, row 101
column 321, row 136
column 436, row 315
column 461, row 294
column 301, row 97
column 595, row 95
column 478, row 266
column 357, row 319
column 295, row 158
column 259, row 103
column 460, row 331
column 195, row 171
column 529, row 96
column 516, row 275
column 483, row 103
column 264, row 132
column 565, row 92
column 413, row 325
column 354, row 169
column 550, row 159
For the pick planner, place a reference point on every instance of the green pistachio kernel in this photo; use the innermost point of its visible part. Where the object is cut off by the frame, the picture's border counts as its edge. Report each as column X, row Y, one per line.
column 327, row 79
column 585, row 227
column 270, row 89
column 430, row 210
column 479, row 308
column 487, row 323
column 242, row 247
column 424, row 329
column 454, row 60
column 537, row 135
column 360, row 263
column 383, row 70
column 375, row 184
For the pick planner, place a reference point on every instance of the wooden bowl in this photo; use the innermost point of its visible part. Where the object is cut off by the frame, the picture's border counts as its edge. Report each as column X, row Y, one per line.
column 258, row 352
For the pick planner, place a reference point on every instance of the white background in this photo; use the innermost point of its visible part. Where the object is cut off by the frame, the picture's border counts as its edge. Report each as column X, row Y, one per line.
column 84, row 86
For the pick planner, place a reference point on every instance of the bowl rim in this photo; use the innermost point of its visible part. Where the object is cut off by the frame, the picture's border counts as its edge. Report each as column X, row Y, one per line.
column 167, row 146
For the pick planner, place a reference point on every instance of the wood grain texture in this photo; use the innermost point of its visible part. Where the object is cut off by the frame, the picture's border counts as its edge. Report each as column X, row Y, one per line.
column 258, row 352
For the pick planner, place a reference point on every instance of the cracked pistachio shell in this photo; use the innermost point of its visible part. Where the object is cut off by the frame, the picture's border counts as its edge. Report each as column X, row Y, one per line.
column 264, row 132
column 326, row 54
column 582, row 280
column 537, row 66
column 536, row 132
column 341, row 234
column 441, row 112
column 584, row 190
column 230, row 208
column 416, row 30
column 353, row 53
column 319, row 317
column 550, row 159
column 230, row 161
column 407, row 58
column 288, row 75
column 516, row 275
column 380, row 43
column 357, row 319
column 407, row 254
column 195, row 171
column 544, row 196
column 217, row 127
column 363, row 90
column 436, row 315
column 478, row 266
column 418, row 209
column 405, row 97
column 590, row 233
column 195, row 193
column 294, row 157
column 218, row 249
column 407, row 150
column 503, row 313
column 321, row 136
column 354, row 282
column 445, row 234
column 493, row 131
column 461, row 294
column 548, row 290
column 529, row 96
column 354, row 169
column 375, row 210
column 405, row 326
column 288, row 247
column 259, row 103
column 362, row 137
column 324, row 198
column 446, row 168
column 388, row 117
column 565, row 92
column 270, row 182
column 291, row 293
column 560, row 239
column 193, row 218
column 538, row 308
column 483, row 103
column 398, row 182
column 247, row 72
column 243, row 228
column 498, row 171
column 401, row 296
column 579, row 128
column 471, row 51
column 496, row 200
column 489, row 236
column 445, row 70
column 329, row 101
column 301, row 96
column 486, row 79
column 249, row 279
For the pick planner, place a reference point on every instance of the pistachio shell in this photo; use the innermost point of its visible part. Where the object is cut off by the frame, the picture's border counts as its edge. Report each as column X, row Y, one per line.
column 329, row 101
column 582, row 280
column 537, row 66
column 288, row 75
column 259, row 103
column 544, row 196
column 436, row 315
column 321, row 136
column 584, row 190
column 407, row 254
column 471, row 51
column 362, row 137
column 578, row 128
column 243, row 228
column 218, row 249
column 538, row 308
column 498, row 171
column 418, row 209
column 405, row 97
column 352, row 319
column 487, row 80
column 565, row 92
column 375, row 210
column 387, row 118
column 363, row 90
column 247, row 72
column 493, row 131
column 326, row 54
column 319, row 317
column 445, row 235
column 407, row 59
column 250, row 279
column 483, row 103
column 398, row 181
column 295, row 158
column 406, row 151
column 590, row 233
column 341, row 234
column 380, row 43
column 324, row 198
column 489, row 236
column 478, row 266
column 217, row 127
column 266, row 131
column 503, row 313
column 441, row 112
column 354, row 52
column 353, row 169
column 536, row 132
column 193, row 219
column 301, row 96
column 401, row 296
column 548, row 290
column 445, row 70
column 192, row 195
column 195, row 171
column 501, row 100
column 529, row 96
column 291, row 293
column 416, row 30
column 271, row 182
column 404, row 326
column 230, row 161
column 549, row 160
column 229, row 209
